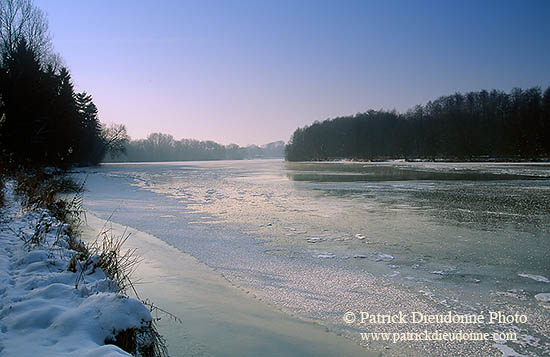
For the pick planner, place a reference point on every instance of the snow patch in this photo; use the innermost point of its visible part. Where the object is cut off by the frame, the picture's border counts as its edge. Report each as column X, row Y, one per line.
column 43, row 312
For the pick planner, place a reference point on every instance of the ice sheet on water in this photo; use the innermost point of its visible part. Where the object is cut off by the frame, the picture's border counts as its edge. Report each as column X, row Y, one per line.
column 298, row 204
column 506, row 351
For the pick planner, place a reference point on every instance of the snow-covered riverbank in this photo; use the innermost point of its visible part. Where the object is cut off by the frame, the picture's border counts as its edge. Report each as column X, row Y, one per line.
column 43, row 310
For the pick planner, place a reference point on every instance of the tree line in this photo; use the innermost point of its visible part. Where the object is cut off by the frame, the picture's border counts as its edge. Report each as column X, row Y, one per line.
column 43, row 121
column 163, row 147
column 473, row 126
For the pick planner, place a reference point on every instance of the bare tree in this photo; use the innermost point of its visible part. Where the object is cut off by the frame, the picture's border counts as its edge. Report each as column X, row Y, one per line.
column 22, row 20
column 116, row 139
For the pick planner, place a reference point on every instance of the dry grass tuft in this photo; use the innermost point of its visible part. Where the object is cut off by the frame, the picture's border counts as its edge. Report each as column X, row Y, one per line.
column 146, row 341
column 107, row 253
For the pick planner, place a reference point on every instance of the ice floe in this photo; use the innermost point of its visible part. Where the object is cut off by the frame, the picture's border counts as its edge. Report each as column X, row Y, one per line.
column 381, row 257
column 543, row 297
column 314, row 240
column 325, row 255
column 538, row 278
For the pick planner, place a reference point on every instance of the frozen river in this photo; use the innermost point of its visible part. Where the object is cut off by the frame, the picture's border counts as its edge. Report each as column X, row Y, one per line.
column 318, row 240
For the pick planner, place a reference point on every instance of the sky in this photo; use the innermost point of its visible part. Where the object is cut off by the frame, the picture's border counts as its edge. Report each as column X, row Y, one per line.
column 251, row 72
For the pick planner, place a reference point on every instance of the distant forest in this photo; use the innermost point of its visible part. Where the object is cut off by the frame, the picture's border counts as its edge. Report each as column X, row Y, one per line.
column 163, row 147
column 473, row 126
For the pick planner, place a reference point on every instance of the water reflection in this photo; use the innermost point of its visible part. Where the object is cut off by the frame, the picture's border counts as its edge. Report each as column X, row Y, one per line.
column 351, row 172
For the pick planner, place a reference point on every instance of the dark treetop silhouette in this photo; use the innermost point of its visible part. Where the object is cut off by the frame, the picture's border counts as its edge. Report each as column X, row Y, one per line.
column 475, row 125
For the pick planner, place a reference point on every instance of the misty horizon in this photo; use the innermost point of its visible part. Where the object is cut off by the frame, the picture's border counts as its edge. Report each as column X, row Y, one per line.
column 207, row 139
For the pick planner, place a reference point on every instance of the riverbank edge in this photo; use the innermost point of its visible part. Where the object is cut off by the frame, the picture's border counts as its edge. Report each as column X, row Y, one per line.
column 40, row 222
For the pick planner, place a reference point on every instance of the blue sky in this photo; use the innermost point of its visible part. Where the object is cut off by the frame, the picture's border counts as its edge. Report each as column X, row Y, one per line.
column 253, row 71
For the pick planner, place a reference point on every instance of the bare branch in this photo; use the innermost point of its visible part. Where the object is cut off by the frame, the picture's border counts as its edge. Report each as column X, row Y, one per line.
column 21, row 20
